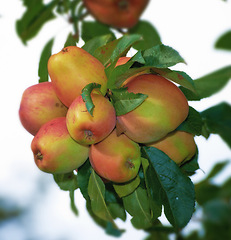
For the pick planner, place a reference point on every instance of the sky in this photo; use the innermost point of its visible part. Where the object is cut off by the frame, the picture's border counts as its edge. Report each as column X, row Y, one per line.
column 189, row 26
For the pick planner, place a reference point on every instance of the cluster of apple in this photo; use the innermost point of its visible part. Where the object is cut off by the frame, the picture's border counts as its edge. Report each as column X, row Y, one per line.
column 66, row 133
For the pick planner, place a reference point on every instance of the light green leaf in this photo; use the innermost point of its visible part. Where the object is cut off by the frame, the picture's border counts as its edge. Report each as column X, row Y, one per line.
column 67, row 181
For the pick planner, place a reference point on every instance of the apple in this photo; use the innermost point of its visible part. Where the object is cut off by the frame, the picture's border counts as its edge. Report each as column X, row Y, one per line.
column 117, row 13
column 116, row 158
column 54, row 149
column 178, row 145
column 39, row 104
column 87, row 129
column 162, row 111
column 71, row 70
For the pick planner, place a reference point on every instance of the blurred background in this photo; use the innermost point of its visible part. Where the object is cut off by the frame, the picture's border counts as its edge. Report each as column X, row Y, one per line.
column 32, row 207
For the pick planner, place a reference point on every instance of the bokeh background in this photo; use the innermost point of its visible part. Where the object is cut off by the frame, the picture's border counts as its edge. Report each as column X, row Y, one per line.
column 32, row 207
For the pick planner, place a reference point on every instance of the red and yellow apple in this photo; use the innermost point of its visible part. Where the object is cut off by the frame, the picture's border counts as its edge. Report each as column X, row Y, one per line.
column 117, row 13
column 87, row 129
column 54, row 149
column 162, row 111
column 71, row 70
column 178, row 145
column 116, row 158
column 39, row 104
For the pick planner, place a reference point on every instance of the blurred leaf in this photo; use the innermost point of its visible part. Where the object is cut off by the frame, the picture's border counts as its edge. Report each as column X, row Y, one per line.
column 83, row 176
column 137, row 205
column 36, row 15
column 96, row 42
column 161, row 56
column 46, row 53
column 96, row 192
column 217, row 168
column 149, row 34
column 127, row 188
column 71, row 40
column 73, row 206
column 218, row 121
column 224, row 41
column 86, row 95
column 94, row 29
column 226, row 189
column 176, row 189
column 67, row 181
column 125, row 101
column 209, row 84
column 193, row 123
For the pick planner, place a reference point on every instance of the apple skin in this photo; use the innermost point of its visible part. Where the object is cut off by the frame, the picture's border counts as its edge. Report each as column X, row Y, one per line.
column 87, row 129
column 116, row 158
column 117, row 13
column 71, row 70
column 39, row 104
column 55, row 151
column 178, row 145
column 162, row 111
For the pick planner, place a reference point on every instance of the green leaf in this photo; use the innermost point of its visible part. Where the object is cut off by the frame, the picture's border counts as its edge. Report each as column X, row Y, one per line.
column 73, row 206
column 71, row 40
column 161, row 56
column 67, row 181
column 224, row 41
column 86, row 95
column 176, row 190
column 149, row 34
column 193, row 123
column 191, row 166
column 94, row 29
column 218, row 121
column 96, row 42
column 137, row 205
column 96, row 191
column 124, row 101
column 83, row 176
column 36, row 15
column 125, row 189
column 46, row 53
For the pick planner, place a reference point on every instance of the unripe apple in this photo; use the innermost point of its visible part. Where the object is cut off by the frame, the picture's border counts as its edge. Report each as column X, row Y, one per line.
column 117, row 13
column 162, row 111
column 87, row 129
column 55, row 151
column 39, row 104
column 71, row 70
column 178, row 145
column 116, row 158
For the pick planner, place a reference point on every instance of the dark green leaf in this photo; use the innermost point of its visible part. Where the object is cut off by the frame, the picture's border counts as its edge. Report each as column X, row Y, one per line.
column 125, row 189
column 191, row 166
column 218, row 121
column 46, row 53
column 86, row 95
column 226, row 189
column 161, row 56
column 36, row 15
column 96, row 42
column 193, row 123
column 73, row 206
column 137, row 205
column 125, row 101
column 67, row 181
column 224, row 41
column 94, row 29
column 71, row 40
column 176, row 191
column 149, row 34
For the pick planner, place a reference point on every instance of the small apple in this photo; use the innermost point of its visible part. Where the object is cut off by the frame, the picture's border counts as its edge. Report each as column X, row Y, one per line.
column 162, row 111
column 116, row 158
column 178, row 145
column 55, row 151
column 71, row 70
column 117, row 13
column 87, row 129
column 39, row 104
